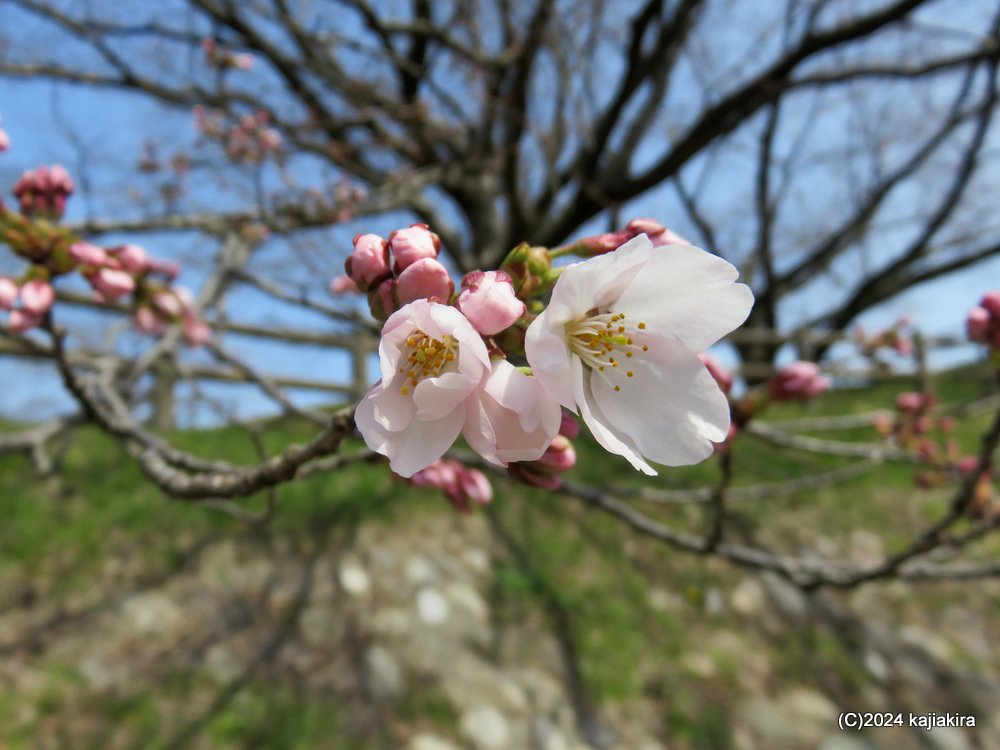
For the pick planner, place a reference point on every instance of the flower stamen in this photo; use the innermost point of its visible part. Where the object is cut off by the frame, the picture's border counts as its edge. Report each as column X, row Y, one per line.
column 426, row 358
column 600, row 339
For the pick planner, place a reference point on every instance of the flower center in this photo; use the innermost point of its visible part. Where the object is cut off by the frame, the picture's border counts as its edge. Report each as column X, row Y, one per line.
column 603, row 341
column 426, row 358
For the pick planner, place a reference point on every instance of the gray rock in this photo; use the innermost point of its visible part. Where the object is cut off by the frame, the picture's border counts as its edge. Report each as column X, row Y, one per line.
column 486, row 728
column 432, row 606
column 384, row 673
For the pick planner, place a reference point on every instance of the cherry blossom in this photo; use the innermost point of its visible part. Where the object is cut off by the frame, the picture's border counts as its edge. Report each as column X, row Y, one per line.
column 619, row 343
column 437, row 382
column 432, row 362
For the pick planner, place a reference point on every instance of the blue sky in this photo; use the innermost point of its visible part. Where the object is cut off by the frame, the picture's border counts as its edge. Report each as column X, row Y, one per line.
column 101, row 135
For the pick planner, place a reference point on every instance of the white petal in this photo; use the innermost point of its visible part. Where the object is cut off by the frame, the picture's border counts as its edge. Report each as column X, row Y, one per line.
column 672, row 408
column 423, row 442
column 521, row 420
column 687, row 293
column 435, row 397
column 391, row 409
column 597, row 281
column 600, row 428
column 549, row 357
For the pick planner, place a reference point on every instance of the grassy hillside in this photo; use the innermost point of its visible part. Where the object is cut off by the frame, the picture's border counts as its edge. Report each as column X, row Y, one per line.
column 634, row 613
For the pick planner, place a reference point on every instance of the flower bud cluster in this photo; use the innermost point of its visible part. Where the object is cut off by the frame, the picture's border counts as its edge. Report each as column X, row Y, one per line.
column 35, row 296
column 223, row 58
column 983, row 323
column 463, row 487
column 598, row 349
column 250, row 139
column 396, row 271
column 113, row 273
column 44, row 191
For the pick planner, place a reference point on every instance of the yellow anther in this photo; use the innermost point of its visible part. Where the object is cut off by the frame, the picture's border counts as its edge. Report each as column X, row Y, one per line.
column 642, row 326
column 617, row 388
column 630, row 373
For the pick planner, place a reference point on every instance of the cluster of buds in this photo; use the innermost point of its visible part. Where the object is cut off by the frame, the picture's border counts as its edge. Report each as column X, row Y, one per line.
column 249, row 140
column 44, row 191
column 223, row 58
column 895, row 337
column 599, row 244
column 798, row 381
column 161, row 307
column 983, row 323
column 398, row 270
column 27, row 302
column 463, row 487
column 116, row 272
column 913, row 424
column 558, row 458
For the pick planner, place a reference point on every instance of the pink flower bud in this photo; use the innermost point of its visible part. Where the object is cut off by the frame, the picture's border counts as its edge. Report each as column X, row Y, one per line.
column 195, row 331
column 110, row 284
column 37, row 297
column 90, row 255
column 558, row 458
column 382, row 301
column 146, row 321
column 8, row 293
column 344, row 285
column 658, row 234
column 24, row 320
column 991, row 301
column 719, row 373
column 569, row 427
column 799, row 381
column 243, row 61
column 487, row 299
column 133, row 259
column 967, row 464
column 414, row 243
column 474, row 486
column 168, row 304
column 369, row 263
column 43, row 190
column 424, row 279
column 462, row 486
column 977, row 325
column 910, row 402
column 4, row 140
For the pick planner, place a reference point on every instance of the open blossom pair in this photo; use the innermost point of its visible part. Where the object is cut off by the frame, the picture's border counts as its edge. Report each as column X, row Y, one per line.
column 617, row 344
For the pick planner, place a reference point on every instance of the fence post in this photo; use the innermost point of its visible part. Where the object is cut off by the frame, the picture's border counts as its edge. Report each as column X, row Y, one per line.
column 162, row 395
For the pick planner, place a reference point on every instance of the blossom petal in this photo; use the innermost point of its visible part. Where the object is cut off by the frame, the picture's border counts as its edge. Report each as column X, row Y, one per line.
column 671, row 408
column 597, row 281
column 390, row 408
column 549, row 357
column 421, row 443
column 435, row 397
column 600, row 428
column 515, row 419
column 688, row 293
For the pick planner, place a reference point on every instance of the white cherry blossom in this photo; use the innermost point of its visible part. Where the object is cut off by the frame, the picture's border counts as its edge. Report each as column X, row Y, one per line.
column 619, row 343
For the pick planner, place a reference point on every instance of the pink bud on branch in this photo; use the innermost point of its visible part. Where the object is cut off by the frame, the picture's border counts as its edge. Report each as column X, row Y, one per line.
column 487, row 299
